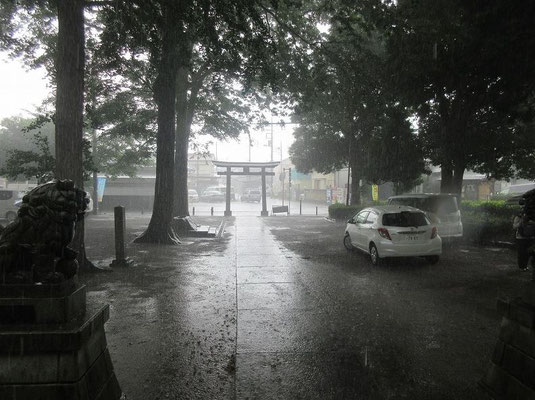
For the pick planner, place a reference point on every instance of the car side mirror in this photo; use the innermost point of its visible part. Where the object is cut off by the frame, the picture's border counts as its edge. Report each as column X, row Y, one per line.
column 350, row 221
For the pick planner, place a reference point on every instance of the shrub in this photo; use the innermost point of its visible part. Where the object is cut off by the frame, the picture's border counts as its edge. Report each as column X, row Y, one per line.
column 488, row 221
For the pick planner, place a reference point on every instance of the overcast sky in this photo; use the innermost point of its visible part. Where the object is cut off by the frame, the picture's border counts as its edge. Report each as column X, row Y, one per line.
column 21, row 91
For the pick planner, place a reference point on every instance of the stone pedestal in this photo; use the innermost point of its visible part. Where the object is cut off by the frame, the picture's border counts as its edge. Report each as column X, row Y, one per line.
column 511, row 374
column 53, row 345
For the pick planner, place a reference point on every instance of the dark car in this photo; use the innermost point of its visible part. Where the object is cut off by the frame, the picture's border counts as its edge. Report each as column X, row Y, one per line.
column 213, row 195
column 252, row 195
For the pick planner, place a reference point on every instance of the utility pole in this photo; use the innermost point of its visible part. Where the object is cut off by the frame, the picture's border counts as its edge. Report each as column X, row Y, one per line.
column 289, row 188
column 283, row 175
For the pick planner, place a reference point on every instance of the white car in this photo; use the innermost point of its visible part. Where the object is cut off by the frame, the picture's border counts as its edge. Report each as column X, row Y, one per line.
column 393, row 231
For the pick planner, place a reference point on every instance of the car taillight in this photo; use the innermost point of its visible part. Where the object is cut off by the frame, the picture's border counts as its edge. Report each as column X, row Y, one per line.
column 434, row 232
column 384, row 233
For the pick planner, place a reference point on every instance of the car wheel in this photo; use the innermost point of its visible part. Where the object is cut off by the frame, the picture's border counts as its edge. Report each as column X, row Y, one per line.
column 374, row 254
column 432, row 259
column 347, row 242
column 10, row 216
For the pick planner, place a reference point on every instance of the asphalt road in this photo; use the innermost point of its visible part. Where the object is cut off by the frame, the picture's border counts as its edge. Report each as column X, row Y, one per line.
column 278, row 309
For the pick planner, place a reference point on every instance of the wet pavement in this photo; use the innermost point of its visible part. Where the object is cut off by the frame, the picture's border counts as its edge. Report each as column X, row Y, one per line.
column 278, row 309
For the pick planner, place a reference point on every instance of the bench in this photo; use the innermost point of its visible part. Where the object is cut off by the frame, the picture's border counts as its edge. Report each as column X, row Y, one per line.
column 279, row 209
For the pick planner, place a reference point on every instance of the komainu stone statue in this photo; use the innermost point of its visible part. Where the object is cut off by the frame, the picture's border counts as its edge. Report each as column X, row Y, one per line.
column 34, row 247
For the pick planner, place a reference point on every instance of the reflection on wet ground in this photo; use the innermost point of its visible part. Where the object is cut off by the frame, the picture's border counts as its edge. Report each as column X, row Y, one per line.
column 277, row 309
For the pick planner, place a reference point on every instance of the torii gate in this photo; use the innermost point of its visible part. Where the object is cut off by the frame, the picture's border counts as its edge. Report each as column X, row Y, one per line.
column 246, row 168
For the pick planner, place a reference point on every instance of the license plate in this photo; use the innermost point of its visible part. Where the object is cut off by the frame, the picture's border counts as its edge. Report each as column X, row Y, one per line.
column 411, row 238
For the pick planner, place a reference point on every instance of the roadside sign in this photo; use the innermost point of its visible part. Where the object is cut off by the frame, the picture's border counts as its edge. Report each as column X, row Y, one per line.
column 375, row 192
column 101, row 184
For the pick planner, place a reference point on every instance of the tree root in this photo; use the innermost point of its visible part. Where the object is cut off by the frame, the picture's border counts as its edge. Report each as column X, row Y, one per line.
column 158, row 236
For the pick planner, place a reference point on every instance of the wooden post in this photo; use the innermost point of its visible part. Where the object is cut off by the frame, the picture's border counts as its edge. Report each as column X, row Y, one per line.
column 120, row 232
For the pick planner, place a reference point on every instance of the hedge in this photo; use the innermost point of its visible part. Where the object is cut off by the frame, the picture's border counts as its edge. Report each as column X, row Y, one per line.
column 488, row 221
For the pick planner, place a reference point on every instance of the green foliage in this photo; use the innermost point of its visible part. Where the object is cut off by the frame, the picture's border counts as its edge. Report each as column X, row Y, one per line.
column 28, row 30
column 488, row 221
column 36, row 164
column 347, row 111
column 13, row 136
column 467, row 70
column 29, row 149
column 493, row 208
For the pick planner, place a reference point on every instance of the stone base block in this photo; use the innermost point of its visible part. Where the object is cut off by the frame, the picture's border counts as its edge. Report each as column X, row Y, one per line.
column 511, row 374
column 41, row 304
column 61, row 362
column 98, row 383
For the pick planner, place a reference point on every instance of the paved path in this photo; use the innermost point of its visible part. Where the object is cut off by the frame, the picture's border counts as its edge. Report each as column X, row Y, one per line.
column 277, row 309
column 286, row 343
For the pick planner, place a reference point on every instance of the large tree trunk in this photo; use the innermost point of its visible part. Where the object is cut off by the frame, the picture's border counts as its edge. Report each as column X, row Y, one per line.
column 160, row 226
column 454, row 125
column 70, row 104
column 183, row 129
column 457, row 182
column 446, row 178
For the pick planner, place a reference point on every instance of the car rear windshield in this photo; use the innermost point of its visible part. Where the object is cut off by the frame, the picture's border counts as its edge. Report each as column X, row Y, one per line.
column 405, row 219
column 440, row 205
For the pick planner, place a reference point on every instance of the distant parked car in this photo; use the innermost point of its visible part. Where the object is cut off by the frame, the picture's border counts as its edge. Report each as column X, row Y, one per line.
column 223, row 189
column 8, row 198
column 252, row 195
column 193, row 196
column 442, row 209
column 213, row 195
column 393, row 231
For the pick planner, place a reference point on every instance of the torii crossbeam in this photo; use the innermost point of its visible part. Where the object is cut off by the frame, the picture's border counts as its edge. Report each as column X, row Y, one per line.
column 246, row 168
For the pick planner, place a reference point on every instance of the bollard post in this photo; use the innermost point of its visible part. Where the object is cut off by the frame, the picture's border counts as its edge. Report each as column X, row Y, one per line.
column 300, row 207
column 120, row 231
column 316, row 210
column 193, row 211
column 212, row 211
